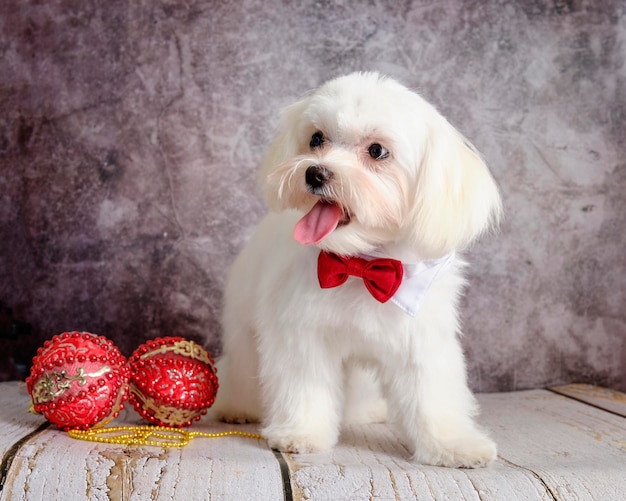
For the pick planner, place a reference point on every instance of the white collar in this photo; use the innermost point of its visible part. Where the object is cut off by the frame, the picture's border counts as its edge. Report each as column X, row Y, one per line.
column 417, row 279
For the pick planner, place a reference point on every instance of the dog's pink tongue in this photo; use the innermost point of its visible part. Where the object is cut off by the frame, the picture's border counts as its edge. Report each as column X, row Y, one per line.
column 320, row 221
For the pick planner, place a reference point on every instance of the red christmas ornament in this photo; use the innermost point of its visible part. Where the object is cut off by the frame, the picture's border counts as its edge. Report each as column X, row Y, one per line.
column 173, row 381
column 78, row 380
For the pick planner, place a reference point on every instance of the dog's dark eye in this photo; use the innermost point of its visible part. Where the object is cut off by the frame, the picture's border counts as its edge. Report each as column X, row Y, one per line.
column 377, row 152
column 317, row 140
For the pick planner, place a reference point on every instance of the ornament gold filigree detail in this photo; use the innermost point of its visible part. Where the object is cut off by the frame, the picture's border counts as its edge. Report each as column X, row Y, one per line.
column 54, row 384
column 163, row 412
column 184, row 348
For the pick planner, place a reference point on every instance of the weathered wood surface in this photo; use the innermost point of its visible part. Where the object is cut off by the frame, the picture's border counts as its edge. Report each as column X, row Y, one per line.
column 52, row 466
column 551, row 446
column 610, row 400
column 15, row 422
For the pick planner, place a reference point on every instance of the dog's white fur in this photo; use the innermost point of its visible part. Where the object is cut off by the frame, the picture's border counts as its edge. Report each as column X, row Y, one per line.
column 298, row 357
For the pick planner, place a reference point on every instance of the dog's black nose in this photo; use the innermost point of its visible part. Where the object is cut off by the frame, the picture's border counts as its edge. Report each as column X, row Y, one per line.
column 317, row 176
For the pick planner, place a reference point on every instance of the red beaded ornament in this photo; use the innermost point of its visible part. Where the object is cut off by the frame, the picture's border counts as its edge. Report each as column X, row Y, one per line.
column 78, row 380
column 173, row 381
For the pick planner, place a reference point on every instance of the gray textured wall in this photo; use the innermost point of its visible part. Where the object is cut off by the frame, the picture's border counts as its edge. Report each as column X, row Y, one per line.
column 130, row 133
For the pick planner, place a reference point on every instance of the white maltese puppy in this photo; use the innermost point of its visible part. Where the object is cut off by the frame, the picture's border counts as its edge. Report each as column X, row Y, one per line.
column 354, row 278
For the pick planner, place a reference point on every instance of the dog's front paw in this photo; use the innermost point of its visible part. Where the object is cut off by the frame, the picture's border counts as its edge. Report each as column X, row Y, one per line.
column 298, row 440
column 474, row 450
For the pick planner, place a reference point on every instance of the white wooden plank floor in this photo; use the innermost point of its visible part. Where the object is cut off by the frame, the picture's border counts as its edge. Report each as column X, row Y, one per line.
column 568, row 443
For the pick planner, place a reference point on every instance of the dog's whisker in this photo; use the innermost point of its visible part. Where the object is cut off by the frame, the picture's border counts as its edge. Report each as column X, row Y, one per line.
column 291, row 176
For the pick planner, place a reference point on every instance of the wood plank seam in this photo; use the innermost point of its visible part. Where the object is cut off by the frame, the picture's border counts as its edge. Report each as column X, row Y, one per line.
column 590, row 404
column 534, row 474
column 285, row 475
column 9, row 456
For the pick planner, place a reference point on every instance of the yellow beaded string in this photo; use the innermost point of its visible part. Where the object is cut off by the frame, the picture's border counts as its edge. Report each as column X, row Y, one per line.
column 158, row 436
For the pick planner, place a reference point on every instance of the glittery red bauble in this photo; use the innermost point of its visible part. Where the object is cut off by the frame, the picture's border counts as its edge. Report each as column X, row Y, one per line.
column 173, row 381
column 78, row 380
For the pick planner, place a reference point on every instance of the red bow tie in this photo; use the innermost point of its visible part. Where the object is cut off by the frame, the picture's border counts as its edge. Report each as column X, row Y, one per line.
column 382, row 277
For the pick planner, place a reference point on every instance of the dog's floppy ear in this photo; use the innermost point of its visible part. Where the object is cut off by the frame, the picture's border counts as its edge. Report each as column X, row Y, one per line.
column 285, row 145
column 457, row 198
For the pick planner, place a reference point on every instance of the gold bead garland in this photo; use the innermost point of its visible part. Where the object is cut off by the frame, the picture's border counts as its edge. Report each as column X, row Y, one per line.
column 157, row 436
